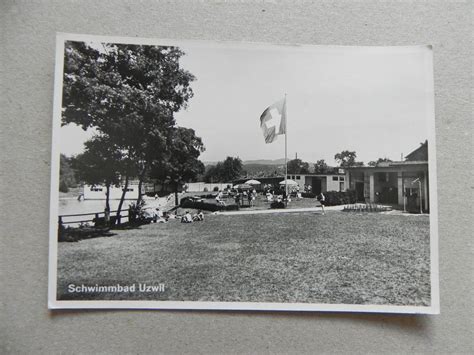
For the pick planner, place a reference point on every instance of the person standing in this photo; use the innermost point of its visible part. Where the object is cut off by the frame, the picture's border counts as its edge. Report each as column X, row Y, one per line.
column 322, row 201
column 250, row 198
column 237, row 199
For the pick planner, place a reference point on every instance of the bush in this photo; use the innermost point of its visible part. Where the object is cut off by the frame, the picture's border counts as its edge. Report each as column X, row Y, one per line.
column 276, row 204
column 206, row 206
column 74, row 234
column 207, row 196
column 334, row 198
column 63, row 187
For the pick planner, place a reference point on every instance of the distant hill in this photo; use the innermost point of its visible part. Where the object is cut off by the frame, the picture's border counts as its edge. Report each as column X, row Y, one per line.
column 265, row 162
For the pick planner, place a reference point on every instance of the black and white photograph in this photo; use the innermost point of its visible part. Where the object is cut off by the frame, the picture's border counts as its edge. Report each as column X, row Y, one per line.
column 243, row 176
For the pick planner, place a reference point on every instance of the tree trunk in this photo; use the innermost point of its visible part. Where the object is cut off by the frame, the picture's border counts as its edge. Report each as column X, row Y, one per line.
column 122, row 198
column 141, row 177
column 176, row 202
column 107, row 205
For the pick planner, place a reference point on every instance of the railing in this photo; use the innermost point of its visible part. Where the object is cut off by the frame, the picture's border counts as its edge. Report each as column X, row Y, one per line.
column 96, row 217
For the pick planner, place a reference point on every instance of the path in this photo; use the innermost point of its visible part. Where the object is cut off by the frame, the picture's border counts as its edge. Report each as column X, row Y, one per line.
column 282, row 210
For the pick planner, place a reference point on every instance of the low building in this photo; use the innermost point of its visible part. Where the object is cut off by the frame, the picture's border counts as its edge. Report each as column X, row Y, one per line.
column 321, row 182
column 404, row 184
column 317, row 183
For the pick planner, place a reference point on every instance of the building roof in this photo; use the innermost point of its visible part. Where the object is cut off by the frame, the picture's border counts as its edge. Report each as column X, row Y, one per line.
column 391, row 166
column 420, row 153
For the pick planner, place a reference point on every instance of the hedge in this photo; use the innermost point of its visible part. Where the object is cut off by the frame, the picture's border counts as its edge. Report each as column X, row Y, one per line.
column 206, row 206
column 334, row 198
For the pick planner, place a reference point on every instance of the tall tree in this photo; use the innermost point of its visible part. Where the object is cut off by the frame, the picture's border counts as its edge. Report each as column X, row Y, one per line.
column 181, row 163
column 100, row 163
column 231, row 169
column 320, row 167
column 128, row 93
column 210, row 174
column 347, row 158
column 225, row 171
column 67, row 175
column 297, row 166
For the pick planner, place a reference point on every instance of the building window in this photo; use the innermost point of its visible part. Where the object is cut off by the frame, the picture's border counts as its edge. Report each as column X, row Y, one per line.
column 298, row 177
column 335, row 178
column 341, row 178
column 288, row 177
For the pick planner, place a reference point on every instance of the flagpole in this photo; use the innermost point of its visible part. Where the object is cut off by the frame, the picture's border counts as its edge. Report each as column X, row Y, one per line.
column 286, row 151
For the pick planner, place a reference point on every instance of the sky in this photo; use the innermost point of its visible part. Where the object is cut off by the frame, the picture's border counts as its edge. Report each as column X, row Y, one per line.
column 376, row 101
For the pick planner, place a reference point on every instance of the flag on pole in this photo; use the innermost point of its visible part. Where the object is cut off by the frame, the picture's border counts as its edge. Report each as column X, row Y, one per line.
column 273, row 121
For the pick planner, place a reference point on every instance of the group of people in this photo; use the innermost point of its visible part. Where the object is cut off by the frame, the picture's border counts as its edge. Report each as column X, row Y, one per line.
column 155, row 215
column 188, row 218
column 249, row 195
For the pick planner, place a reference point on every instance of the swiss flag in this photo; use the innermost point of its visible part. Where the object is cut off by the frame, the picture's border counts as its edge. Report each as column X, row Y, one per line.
column 273, row 120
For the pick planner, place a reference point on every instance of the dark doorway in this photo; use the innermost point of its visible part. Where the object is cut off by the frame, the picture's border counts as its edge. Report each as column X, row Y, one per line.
column 316, row 188
column 389, row 195
column 359, row 191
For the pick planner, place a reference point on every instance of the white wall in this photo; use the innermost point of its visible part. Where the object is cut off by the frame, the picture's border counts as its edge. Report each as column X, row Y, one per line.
column 200, row 186
column 97, row 192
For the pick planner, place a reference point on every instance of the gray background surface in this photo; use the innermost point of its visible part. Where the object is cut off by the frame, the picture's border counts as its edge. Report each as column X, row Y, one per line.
column 27, row 66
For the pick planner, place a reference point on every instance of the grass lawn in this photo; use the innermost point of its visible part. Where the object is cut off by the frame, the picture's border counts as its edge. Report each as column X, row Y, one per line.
column 297, row 257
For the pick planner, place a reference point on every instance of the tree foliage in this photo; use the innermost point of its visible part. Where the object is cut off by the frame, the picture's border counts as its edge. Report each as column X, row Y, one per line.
column 347, row 158
column 180, row 163
column 320, row 167
column 122, row 86
column 225, row 171
column 297, row 166
column 67, row 175
column 101, row 163
column 129, row 94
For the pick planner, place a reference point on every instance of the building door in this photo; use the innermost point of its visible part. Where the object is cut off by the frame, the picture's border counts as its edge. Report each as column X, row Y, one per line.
column 389, row 195
column 316, row 185
column 359, row 186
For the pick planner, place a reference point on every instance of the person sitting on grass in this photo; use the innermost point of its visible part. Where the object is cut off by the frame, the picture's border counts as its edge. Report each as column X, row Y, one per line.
column 322, row 201
column 237, row 199
column 187, row 218
column 199, row 216
column 161, row 217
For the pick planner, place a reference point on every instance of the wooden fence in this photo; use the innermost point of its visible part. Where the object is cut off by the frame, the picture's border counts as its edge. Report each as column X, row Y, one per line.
column 95, row 219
